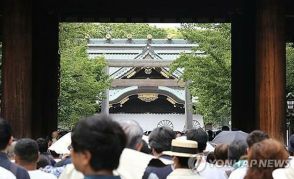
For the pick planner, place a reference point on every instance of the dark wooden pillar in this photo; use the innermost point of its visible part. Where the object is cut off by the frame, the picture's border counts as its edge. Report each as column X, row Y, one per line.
column 17, row 66
column 270, row 67
column 243, row 70
column 45, row 79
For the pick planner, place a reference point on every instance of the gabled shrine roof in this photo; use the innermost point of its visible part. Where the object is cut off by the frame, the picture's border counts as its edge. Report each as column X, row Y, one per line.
column 139, row 49
column 130, row 49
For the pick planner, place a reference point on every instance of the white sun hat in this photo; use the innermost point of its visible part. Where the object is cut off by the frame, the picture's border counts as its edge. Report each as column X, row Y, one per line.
column 183, row 148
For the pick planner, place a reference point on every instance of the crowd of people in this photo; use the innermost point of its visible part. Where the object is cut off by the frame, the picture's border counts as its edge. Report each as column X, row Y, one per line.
column 107, row 149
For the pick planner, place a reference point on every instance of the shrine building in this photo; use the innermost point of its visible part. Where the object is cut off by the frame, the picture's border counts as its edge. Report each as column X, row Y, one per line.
column 143, row 87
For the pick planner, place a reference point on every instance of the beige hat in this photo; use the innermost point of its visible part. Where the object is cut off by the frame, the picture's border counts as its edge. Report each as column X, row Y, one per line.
column 183, row 148
column 285, row 173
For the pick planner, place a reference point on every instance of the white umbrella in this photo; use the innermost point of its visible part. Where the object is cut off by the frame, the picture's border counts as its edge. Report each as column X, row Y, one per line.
column 209, row 147
column 62, row 144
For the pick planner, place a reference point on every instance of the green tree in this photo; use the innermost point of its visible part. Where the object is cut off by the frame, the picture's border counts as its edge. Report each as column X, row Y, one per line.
column 139, row 31
column 290, row 68
column 209, row 70
column 174, row 33
column 82, row 80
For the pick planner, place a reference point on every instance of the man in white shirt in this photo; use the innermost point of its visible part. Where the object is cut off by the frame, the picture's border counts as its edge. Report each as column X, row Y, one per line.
column 26, row 155
column 6, row 174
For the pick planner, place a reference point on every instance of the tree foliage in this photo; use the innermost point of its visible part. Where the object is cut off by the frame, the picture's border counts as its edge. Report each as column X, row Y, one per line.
column 139, row 31
column 290, row 68
column 209, row 69
column 82, row 80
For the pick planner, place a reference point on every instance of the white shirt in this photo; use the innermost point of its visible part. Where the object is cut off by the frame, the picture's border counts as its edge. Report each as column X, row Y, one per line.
column 71, row 173
column 285, row 173
column 132, row 164
column 239, row 173
column 211, row 171
column 38, row 174
column 181, row 173
column 6, row 174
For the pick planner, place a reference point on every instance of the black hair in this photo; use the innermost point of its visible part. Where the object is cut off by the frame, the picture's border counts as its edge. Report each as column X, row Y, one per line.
column 210, row 158
column 27, row 150
column 210, row 135
column 225, row 128
column 42, row 144
column 61, row 133
column 103, row 138
column 43, row 161
column 255, row 137
column 145, row 148
column 5, row 133
column 183, row 161
column 160, row 139
column 54, row 154
column 198, row 135
column 237, row 149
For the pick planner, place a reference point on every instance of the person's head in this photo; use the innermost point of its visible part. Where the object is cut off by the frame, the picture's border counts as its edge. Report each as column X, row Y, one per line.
column 42, row 144
column 134, row 134
column 5, row 134
column 145, row 148
column 210, row 158
column 221, row 154
column 182, row 151
column 26, row 153
column 43, row 161
column 255, row 137
column 97, row 143
column 264, row 157
column 54, row 134
column 236, row 149
column 198, row 135
column 210, row 135
column 225, row 128
column 160, row 139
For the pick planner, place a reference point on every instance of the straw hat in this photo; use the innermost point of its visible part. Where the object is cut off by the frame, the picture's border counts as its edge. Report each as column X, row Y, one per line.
column 182, row 148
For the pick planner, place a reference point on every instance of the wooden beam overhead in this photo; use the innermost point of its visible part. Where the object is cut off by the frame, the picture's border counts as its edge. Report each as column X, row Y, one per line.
column 147, row 82
column 138, row 63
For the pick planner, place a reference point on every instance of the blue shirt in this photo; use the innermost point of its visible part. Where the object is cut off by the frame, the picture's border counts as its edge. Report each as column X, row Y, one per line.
column 101, row 177
column 18, row 171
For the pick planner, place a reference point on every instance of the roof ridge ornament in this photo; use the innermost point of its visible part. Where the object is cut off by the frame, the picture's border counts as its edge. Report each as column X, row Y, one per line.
column 129, row 36
column 149, row 37
column 108, row 36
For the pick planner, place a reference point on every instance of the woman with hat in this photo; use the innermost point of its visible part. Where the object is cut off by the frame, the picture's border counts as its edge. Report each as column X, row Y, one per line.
column 184, row 153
